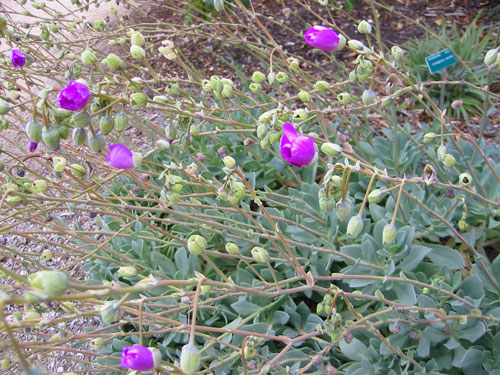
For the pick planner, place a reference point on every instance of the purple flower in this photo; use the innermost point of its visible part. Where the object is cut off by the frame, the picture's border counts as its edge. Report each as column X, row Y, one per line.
column 33, row 146
column 137, row 357
column 17, row 58
column 297, row 150
column 322, row 37
column 74, row 96
column 120, row 157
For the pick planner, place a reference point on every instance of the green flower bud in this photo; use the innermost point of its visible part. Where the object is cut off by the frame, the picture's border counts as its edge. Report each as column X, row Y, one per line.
column 227, row 91
column 464, row 179
column 120, row 41
column 354, row 226
column 264, row 142
column 138, row 99
column 190, row 359
column 106, row 124
column 39, row 186
column 270, row 78
column 137, row 39
column 274, row 137
column 96, row 142
column 462, row 225
column 61, row 113
column 137, row 158
column 362, row 77
column 121, row 121
column 353, row 76
column 80, row 119
column 364, row 27
column 387, row 101
column 321, row 85
column 331, row 149
column 59, row 163
column 441, row 152
column 79, row 137
column 78, row 170
column 4, row 107
column 194, row 130
column 109, row 312
column 255, row 87
column 327, row 204
column 46, row 255
column 356, row 45
column 336, row 182
column 368, row 97
column 49, row 283
column 343, row 210
column 97, row 343
column 344, row 98
column 266, row 117
column 397, row 53
column 389, row 234
column 63, row 131
column 260, row 254
column 491, row 56
column 229, row 162
column 429, row 137
column 261, row 131
column 162, row 144
column 127, row 271
column 88, row 57
column 174, row 89
column 51, row 138
column 342, row 42
column 282, row 77
column 173, row 197
column 258, row 77
column 449, row 160
column 293, row 64
column 320, row 308
column 13, row 200
column 375, row 196
column 114, row 62
column 304, row 96
column 170, row 131
column 4, row 365
column 34, row 131
column 137, row 52
column 232, row 248
column 156, row 356
column 197, row 244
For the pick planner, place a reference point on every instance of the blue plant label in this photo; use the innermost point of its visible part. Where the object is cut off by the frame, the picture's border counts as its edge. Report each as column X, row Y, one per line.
column 440, row 60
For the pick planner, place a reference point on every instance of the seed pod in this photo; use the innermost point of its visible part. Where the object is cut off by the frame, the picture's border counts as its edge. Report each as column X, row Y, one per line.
column 137, row 39
column 49, row 283
column 344, row 98
column 282, row 77
column 429, row 137
column 121, row 121
column 355, row 226
column 34, row 131
column 255, row 87
column 449, row 160
column 88, row 57
column 78, row 170
column 321, row 85
column 304, row 96
column 197, row 244
column 343, row 211
column 270, row 78
column 389, row 234
column 137, row 52
column 114, row 62
column 464, row 179
column 162, row 144
column 39, row 186
column 375, row 196
column 258, row 77
column 109, row 312
column 138, row 99
column 96, row 142
column 441, row 152
column 260, row 254
column 51, row 138
column 79, row 137
column 190, row 359
column 327, row 204
column 368, row 97
column 232, row 248
column 106, row 124
column 80, row 119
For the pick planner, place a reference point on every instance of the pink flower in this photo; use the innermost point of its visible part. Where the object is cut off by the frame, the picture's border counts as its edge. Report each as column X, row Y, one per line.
column 33, row 146
column 120, row 157
column 137, row 357
column 17, row 58
column 74, row 96
column 297, row 150
column 322, row 37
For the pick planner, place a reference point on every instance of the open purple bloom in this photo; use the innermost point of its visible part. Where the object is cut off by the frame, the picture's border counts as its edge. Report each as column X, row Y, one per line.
column 33, row 146
column 297, row 150
column 17, row 58
column 137, row 357
column 120, row 157
column 322, row 37
column 74, row 96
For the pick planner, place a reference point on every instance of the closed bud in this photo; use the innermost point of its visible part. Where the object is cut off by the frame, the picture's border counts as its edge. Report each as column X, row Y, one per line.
column 197, row 244
column 190, row 359
column 261, row 131
column 327, row 204
column 491, row 56
column 227, row 91
column 97, row 142
column 429, row 137
column 456, row 104
column 397, row 53
column 137, row 52
column 342, row 42
column 255, row 87
column 356, row 45
column 274, row 137
column 162, row 144
column 97, row 343
column 321, row 85
column 173, row 197
column 232, row 248
column 39, row 186
column 282, row 77
column 137, row 159
column 343, row 210
column 441, row 152
column 354, row 226
column 362, row 77
column 386, row 102
column 229, row 162
column 59, row 163
column 46, row 255
column 63, row 131
column 88, row 57
column 258, row 77
column 353, row 77
column 13, row 200
column 34, row 131
column 260, row 254
column 80, row 119
column 304, row 96
column 462, row 225
column 293, row 64
column 233, row 199
column 389, row 234
column 121, row 121
column 137, row 39
column 449, row 160
column 270, row 78
column 49, row 283
column 106, row 124
column 266, row 117
column 4, row 365
column 114, row 62
column 138, row 99
column 127, row 271
column 368, row 97
column 375, row 196
column 79, row 136
column 331, row 149
column 464, row 179
column 344, row 98
column 109, row 312
column 336, row 182
column 364, row 27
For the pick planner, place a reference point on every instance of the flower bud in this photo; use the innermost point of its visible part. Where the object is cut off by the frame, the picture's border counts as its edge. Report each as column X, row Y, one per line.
column 229, row 162
column 364, row 28
column 97, row 343
column 88, row 57
column 137, row 52
column 441, row 152
column 97, row 142
column 429, row 137
column 368, row 97
column 49, row 283
column 270, row 78
column 190, row 359
column 137, row 159
column 106, row 124
column 80, row 119
column 462, row 225
column 343, row 210
column 51, row 138
column 46, row 255
column 322, row 85
column 79, row 137
column 327, row 204
column 344, row 98
column 13, row 200
column 362, row 77
column 197, row 244
column 456, row 104
column 356, row 45
column 293, row 64
column 232, row 248
column 173, row 89
column 59, row 163
column 260, row 254
column 63, row 131
column 464, row 179
column 109, row 312
column 61, row 113
column 34, row 131
column 127, row 271
column 162, row 144
column 397, row 53
column 258, row 77
column 331, row 149
column 389, row 234
column 375, row 196
column 449, row 160
column 138, row 99
column 353, row 76
column 227, row 91
column 114, row 62
column 137, row 39
column 255, row 87
column 491, row 56
column 342, row 42
column 5, row 364
column 39, row 186
column 304, row 96
column 4, row 107
column 282, row 77
column 354, row 226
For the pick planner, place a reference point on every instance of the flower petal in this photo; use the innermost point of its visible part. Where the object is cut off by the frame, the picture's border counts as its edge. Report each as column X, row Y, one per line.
column 137, row 357
column 120, row 157
column 322, row 37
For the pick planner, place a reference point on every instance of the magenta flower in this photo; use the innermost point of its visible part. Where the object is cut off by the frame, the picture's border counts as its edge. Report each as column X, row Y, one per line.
column 137, row 357
column 120, row 157
column 74, row 96
column 17, row 58
column 322, row 37
column 33, row 146
column 297, row 150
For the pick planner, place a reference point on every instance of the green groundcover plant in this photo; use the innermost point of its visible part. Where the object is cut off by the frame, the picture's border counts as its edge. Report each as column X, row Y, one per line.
column 292, row 213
